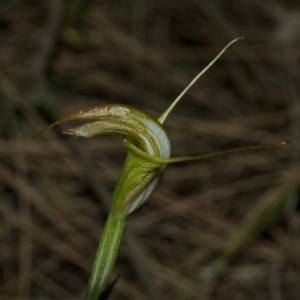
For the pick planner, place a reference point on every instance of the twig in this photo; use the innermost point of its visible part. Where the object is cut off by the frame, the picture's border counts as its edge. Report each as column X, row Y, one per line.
column 49, row 46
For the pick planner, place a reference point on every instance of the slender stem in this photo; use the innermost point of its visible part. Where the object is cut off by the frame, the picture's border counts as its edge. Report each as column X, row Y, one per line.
column 165, row 114
column 106, row 255
column 160, row 161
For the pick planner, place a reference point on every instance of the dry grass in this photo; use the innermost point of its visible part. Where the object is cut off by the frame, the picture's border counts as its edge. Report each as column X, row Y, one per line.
column 54, row 192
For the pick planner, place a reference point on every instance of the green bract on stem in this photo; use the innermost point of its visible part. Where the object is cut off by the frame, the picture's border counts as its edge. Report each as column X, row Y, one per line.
column 148, row 153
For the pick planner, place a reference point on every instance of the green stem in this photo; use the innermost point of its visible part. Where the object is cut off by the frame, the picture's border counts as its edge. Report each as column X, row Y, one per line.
column 106, row 255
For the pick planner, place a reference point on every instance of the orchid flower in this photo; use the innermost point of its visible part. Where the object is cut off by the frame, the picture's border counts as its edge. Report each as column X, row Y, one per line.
column 148, row 154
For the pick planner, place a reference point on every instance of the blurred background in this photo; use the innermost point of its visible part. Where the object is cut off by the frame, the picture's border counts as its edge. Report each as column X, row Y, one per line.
column 241, row 210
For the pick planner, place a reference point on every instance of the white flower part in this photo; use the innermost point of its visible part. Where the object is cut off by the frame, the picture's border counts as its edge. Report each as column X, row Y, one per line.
column 162, row 140
column 160, row 136
column 142, row 198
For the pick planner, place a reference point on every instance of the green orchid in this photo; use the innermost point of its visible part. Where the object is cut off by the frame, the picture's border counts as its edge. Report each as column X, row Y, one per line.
column 148, row 154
